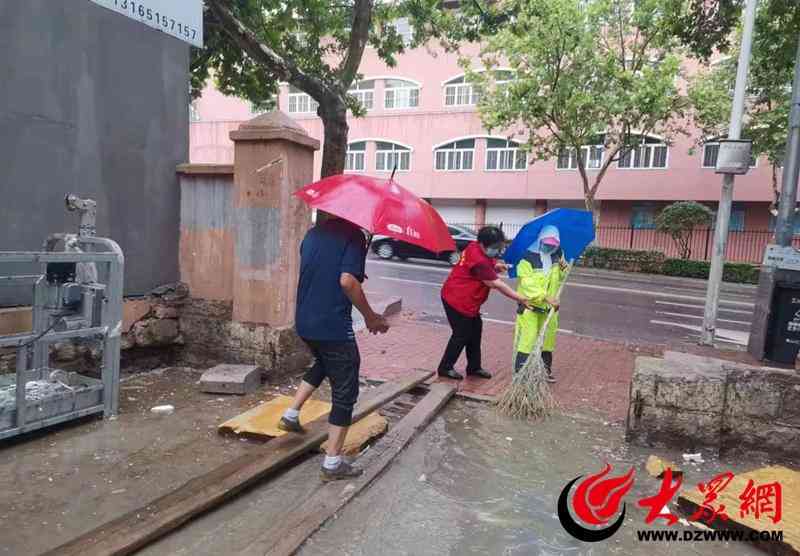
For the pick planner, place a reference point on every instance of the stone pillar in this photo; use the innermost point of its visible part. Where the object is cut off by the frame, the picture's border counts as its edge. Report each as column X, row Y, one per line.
column 273, row 157
column 480, row 212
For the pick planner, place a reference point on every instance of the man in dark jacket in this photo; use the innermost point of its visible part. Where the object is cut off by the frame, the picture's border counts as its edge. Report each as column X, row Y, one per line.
column 332, row 260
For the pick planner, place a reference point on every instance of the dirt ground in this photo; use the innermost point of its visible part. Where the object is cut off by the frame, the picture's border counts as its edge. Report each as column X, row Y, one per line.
column 59, row 483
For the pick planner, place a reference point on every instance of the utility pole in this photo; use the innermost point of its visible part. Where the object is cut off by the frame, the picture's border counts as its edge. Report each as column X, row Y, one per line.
column 758, row 345
column 726, row 197
column 784, row 227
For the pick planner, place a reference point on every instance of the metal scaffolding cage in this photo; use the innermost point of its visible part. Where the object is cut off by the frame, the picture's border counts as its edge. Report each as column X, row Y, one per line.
column 77, row 296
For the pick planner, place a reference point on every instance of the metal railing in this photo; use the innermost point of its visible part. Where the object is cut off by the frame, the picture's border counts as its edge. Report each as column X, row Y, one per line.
column 745, row 246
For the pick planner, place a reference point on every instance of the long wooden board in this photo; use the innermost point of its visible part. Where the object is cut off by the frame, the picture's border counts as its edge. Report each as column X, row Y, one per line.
column 142, row 526
column 287, row 535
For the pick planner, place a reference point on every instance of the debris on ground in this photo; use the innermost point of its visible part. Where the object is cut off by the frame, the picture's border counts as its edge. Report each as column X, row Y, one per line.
column 163, row 409
column 656, row 466
column 694, row 458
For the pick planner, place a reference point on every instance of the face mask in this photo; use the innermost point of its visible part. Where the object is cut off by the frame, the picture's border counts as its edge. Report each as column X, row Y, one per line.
column 492, row 251
column 548, row 249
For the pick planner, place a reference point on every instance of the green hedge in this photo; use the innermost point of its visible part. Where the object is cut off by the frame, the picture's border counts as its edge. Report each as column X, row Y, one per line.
column 620, row 259
column 654, row 262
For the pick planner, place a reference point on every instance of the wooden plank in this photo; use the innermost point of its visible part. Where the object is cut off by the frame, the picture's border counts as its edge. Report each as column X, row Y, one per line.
column 287, row 535
column 142, row 526
column 691, row 499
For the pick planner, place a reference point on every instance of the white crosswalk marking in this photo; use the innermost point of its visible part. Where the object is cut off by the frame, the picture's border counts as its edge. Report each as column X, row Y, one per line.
column 700, row 317
column 701, row 307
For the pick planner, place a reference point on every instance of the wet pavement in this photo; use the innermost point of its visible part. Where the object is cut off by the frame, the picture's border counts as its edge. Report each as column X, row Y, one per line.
column 471, row 483
column 477, row 483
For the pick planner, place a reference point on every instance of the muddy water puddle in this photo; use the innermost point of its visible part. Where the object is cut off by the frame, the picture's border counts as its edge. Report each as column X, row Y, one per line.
column 476, row 483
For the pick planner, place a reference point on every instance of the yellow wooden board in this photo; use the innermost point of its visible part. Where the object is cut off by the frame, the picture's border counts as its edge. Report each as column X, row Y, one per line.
column 790, row 491
column 263, row 419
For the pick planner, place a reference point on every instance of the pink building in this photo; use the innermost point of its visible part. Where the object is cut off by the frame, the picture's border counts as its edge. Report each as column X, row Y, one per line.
column 421, row 115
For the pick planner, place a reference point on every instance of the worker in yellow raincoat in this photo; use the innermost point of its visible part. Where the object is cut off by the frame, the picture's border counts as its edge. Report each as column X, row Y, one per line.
column 539, row 275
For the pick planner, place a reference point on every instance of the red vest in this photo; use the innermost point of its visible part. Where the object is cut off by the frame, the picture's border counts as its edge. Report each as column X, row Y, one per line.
column 462, row 290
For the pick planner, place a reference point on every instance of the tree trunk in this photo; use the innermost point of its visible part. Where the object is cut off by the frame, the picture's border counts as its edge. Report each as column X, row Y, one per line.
column 591, row 206
column 334, row 147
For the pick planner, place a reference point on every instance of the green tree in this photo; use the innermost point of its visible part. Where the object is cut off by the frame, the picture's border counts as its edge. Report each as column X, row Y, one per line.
column 314, row 45
column 679, row 220
column 777, row 28
column 584, row 69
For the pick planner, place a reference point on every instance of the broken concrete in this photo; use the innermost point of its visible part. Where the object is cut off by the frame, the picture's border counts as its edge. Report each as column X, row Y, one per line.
column 231, row 379
column 689, row 401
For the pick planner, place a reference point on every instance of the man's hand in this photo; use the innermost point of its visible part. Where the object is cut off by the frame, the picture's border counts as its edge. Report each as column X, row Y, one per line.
column 500, row 266
column 563, row 264
column 553, row 302
column 377, row 324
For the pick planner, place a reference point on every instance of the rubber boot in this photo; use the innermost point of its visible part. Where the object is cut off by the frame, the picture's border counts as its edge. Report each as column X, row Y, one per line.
column 547, row 358
column 519, row 362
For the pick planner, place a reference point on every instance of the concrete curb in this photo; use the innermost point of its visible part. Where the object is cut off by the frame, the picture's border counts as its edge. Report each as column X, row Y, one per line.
column 660, row 279
column 386, row 307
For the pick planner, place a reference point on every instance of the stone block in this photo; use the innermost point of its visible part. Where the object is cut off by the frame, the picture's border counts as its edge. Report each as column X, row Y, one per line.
column 774, row 438
column 163, row 312
column 134, row 310
column 790, row 405
column 674, row 427
column 231, row 379
column 155, row 332
column 753, row 395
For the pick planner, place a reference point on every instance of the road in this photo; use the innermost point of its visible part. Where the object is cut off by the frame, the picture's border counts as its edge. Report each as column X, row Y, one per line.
column 611, row 306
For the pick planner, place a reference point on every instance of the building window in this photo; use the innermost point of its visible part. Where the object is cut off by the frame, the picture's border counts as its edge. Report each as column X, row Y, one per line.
column 650, row 153
column 194, row 114
column 364, row 91
column 455, row 156
column 643, row 217
column 400, row 93
column 356, row 157
column 391, row 155
column 403, row 28
column 502, row 156
column 711, row 153
column 457, row 92
column 300, row 102
column 591, row 156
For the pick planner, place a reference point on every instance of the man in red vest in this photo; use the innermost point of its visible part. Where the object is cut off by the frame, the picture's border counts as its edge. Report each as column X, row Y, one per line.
column 465, row 290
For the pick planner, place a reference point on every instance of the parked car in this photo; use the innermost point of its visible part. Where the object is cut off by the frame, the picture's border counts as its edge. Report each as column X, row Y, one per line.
column 387, row 247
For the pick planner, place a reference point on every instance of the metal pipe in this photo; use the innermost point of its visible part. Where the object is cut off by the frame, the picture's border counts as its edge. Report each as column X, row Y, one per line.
column 22, row 279
column 784, row 227
column 17, row 340
column 55, row 257
column 22, row 366
column 726, row 197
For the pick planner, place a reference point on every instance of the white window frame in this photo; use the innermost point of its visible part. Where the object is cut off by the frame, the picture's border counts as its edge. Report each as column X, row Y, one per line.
column 458, row 154
column 388, row 154
column 461, row 90
column 716, row 144
column 650, row 150
column 507, row 150
column 572, row 164
column 311, row 108
column 352, row 156
column 406, row 90
column 361, row 94
column 194, row 113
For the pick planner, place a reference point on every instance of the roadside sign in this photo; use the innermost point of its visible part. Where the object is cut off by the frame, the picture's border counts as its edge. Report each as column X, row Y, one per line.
column 733, row 157
column 786, row 258
column 183, row 19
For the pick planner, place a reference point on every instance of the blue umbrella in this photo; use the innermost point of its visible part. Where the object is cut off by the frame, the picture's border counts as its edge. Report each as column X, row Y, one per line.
column 575, row 227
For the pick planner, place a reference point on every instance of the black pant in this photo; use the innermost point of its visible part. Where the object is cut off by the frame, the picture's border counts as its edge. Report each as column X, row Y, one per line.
column 339, row 362
column 467, row 333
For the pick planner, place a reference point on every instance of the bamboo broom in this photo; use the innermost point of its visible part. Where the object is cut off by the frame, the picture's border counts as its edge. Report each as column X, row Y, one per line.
column 529, row 396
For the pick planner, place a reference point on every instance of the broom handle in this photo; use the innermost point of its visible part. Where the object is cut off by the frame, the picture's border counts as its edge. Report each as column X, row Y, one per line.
column 552, row 312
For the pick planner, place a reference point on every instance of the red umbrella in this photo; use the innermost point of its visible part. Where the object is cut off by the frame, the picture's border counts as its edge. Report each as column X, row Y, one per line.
column 382, row 207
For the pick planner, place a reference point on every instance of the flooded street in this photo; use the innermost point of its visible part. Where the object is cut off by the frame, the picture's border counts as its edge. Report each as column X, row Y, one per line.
column 475, row 483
